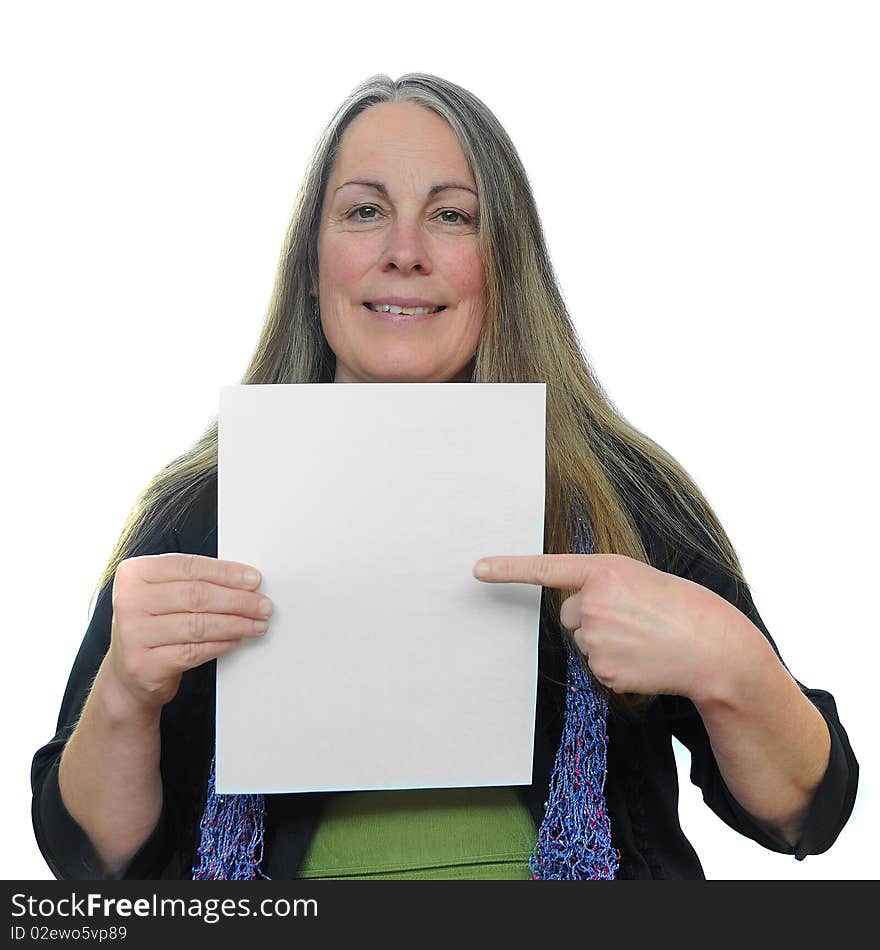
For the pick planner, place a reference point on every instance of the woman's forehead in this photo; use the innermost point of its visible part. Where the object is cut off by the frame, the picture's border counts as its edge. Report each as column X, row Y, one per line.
column 401, row 139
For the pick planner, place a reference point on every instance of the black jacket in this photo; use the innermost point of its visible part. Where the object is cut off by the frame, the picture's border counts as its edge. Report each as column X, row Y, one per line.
column 641, row 787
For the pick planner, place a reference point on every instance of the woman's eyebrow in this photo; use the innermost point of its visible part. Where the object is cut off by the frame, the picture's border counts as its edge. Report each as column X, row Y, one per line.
column 433, row 190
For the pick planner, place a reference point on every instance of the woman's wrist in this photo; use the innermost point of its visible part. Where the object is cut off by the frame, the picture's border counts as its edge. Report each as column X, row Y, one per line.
column 118, row 705
column 742, row 653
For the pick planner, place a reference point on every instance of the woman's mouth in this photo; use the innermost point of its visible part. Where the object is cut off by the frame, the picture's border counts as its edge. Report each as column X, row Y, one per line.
column 394, row 314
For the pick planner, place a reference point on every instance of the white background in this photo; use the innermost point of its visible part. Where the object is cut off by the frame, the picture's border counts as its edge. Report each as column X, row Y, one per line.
column 707, row 179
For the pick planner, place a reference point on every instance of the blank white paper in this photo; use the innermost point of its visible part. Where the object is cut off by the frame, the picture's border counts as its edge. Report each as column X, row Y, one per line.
column 386, row 665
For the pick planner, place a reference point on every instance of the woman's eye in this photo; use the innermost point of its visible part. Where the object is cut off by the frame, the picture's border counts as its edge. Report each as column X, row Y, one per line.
column 355, row 212
column 464, row 219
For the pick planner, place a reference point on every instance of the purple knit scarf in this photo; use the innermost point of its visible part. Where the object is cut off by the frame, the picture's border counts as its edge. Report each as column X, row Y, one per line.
column 574, row 840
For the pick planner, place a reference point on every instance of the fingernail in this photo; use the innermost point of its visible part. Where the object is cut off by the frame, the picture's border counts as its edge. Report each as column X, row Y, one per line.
column 481, row 569
column 251, row 577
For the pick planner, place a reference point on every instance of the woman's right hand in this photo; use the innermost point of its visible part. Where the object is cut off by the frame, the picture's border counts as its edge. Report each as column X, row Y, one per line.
column 172, row 612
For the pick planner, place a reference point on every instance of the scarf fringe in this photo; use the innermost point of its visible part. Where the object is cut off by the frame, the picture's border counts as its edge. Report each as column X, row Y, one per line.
column 574, row 840
column 232, row 828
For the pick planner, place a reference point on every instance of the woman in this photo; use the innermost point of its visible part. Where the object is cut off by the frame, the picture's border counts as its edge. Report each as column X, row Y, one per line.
column 416, row 198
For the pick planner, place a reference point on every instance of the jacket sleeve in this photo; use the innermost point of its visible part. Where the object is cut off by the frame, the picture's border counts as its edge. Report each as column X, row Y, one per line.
column 835, row 796
column 65, row 846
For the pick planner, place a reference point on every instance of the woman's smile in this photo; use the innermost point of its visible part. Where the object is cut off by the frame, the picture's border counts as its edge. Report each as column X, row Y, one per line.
column 399, row 314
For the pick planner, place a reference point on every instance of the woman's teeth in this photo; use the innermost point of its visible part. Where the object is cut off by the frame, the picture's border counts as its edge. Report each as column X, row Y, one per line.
column 410, row 311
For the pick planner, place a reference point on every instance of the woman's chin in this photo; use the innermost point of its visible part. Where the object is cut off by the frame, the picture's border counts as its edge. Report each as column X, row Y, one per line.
column 394, row 373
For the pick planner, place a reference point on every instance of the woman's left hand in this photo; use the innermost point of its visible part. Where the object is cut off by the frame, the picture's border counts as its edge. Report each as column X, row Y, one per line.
column 641, row 630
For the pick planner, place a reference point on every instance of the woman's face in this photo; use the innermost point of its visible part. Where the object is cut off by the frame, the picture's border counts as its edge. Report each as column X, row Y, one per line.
column 399, row 224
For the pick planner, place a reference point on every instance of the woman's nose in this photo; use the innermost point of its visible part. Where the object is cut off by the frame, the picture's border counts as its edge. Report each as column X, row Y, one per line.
column 406, row 248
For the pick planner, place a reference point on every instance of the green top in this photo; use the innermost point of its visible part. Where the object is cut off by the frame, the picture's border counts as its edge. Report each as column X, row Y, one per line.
column 422, row 835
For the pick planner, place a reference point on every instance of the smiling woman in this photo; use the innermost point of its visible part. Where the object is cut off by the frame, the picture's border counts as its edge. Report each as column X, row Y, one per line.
column 415, row 254
column 399, row 229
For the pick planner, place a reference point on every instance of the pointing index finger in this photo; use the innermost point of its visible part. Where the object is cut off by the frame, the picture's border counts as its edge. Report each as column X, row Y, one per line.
column 562, row 571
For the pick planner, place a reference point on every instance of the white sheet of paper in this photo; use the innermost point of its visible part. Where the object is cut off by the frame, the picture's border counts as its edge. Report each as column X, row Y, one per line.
column 387, row 665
